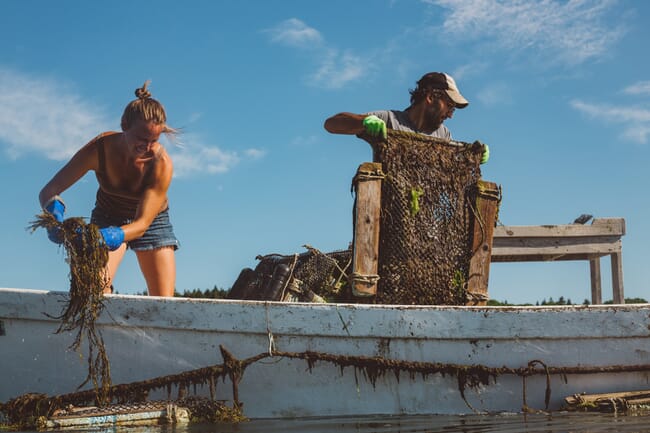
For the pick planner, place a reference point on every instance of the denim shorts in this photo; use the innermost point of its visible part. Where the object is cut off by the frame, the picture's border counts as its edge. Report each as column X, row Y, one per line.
column 160, row 233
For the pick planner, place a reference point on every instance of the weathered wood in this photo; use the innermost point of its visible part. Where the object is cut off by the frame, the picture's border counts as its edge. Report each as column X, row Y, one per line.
column 567, row 242
column 549, row 249
column 365, row 252
column 617, row 278
column 486, row 208
column 117, row 417
column 596, row 289
column 609, row 402
column 599, row 227
column 616, row 225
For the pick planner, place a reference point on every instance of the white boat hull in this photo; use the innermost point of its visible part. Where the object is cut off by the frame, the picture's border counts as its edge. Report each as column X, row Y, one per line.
column 148, row 337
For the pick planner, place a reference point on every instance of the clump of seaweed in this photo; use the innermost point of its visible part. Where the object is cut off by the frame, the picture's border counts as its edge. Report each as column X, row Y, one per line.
column 87, row 258
column 205, row 410
column 25, row 411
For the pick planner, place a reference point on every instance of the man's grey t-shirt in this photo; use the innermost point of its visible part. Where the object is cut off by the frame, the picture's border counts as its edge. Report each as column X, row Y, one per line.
column 399, row 120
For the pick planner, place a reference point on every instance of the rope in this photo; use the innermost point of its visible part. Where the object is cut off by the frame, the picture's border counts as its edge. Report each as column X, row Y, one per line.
column 373, row 367
column 366, row 175
column 477, row 297
column 288, row 280
column 366, row 279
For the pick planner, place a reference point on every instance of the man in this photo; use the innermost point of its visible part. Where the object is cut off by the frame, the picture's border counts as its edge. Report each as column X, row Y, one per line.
column 434, row 100
column 418, row 256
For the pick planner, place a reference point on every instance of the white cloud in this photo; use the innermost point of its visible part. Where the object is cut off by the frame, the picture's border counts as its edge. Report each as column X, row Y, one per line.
column 635, row 120
column 301, row 141
column 615, row 114
column 294, row 32
column 193, row 157
column 640, row 88
column 197, row 158
column 568, row 31
column 637, row 133
column 337, row 70
column 469, row 70
column 195, row 117
column 255, row 153
column 495, row 94
column 333, row 68
column 40, row 115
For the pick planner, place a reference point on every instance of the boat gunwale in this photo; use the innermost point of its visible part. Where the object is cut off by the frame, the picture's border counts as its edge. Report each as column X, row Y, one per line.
column 434, row 323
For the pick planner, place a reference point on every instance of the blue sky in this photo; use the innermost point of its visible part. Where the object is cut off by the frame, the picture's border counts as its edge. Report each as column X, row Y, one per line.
column 560, row 90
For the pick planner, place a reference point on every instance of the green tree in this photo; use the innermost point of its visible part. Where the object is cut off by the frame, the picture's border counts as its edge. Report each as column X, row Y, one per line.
column 214, row 293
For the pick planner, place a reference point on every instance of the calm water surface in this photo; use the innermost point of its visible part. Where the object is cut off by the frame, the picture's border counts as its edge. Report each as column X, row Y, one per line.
column 554, row 423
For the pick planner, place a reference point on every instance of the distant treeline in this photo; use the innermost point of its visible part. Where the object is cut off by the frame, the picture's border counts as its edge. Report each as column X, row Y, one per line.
column 217, row 293
column 562, row 301
column 213, row 293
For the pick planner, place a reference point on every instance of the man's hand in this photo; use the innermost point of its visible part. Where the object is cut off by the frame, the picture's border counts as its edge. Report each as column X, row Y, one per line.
column 375, row 126
column 56, row 208
column 113, row 237
column 486, row 154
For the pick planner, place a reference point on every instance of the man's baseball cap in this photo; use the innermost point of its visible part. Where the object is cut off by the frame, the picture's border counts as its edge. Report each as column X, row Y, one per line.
column 442, row 81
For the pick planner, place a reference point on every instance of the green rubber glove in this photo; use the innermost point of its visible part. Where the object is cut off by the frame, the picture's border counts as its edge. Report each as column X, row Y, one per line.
column 486, row 154
column 375, row 126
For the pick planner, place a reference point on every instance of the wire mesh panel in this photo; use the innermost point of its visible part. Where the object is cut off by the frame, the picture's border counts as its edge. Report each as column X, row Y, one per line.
column 322, row 274
column 426, row 215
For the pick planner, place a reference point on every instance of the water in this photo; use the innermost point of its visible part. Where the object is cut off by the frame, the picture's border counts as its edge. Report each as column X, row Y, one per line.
column 504, row 423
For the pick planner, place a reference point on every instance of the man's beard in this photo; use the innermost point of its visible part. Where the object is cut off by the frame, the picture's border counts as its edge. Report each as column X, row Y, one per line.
column 433, row 118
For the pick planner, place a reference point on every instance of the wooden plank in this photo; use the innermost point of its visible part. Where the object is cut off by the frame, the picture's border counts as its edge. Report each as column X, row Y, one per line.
column 365, row 252
column 600, row 227
column 617, row 225
column 633, row 395
column 535, row 243
column 554, row 250
column 617, row 278
column 544, row 257
column 119, row 416
column 594, row 273
column 487, row 204
column 610, row 402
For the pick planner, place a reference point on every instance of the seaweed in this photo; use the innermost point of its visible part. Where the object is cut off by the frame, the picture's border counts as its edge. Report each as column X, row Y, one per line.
column 87, row 258
column 26, row 410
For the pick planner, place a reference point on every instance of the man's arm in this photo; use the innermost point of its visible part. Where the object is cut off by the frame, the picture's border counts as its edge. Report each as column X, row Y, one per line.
column 350, row 123
column 345, row 123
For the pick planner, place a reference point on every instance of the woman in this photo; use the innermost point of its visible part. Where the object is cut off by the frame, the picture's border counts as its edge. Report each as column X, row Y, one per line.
column 134, row 172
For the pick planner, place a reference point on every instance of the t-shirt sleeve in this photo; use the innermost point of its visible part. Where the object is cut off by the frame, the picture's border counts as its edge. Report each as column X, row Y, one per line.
column 382, row 114
column 445, row 132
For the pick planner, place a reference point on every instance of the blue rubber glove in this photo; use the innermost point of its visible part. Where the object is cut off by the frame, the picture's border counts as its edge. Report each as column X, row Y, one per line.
column 113, row 237
column 56, row 208
column 375, row 126
column 486, row 154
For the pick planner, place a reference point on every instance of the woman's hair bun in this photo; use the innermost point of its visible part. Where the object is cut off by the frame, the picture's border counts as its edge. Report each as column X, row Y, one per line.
column 142, row 92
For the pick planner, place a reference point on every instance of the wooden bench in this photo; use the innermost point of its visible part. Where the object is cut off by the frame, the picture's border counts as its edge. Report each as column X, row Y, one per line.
column 566, row 242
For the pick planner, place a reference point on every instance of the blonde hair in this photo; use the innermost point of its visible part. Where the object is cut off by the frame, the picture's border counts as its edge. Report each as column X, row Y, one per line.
column 145, row 108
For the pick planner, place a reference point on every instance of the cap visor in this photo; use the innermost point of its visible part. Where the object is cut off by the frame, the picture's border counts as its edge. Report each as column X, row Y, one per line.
column 458, row 99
